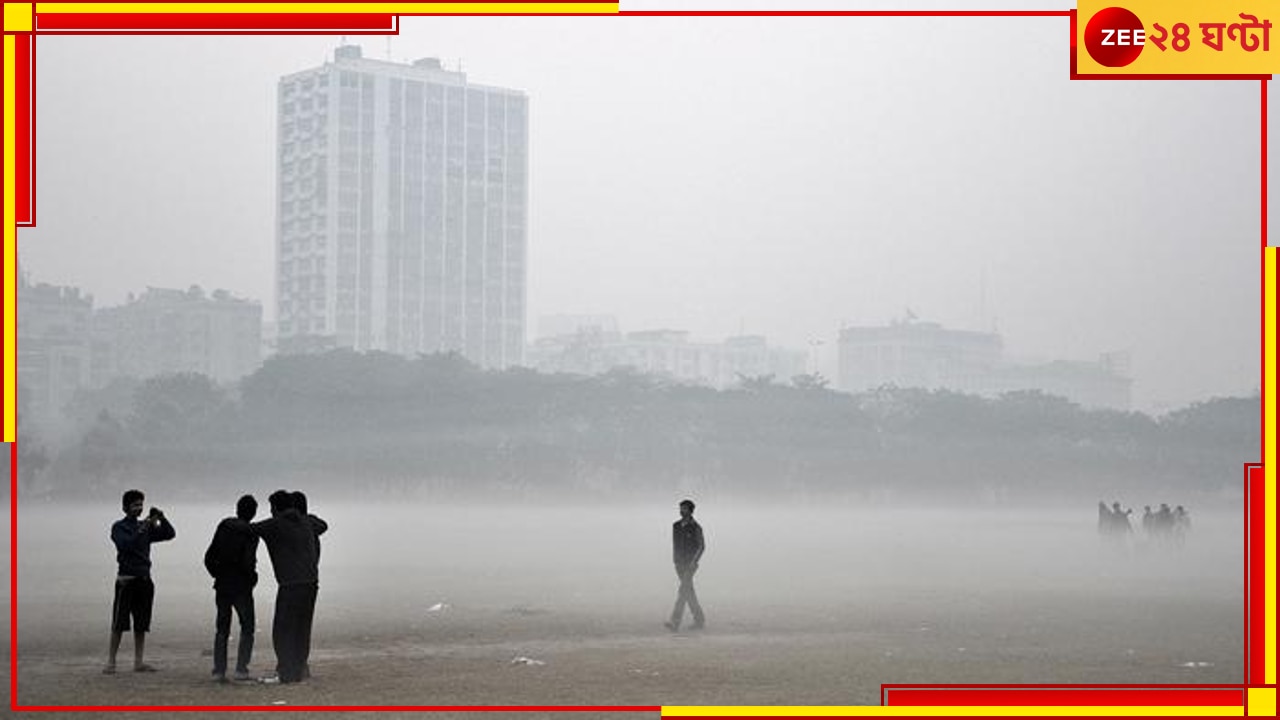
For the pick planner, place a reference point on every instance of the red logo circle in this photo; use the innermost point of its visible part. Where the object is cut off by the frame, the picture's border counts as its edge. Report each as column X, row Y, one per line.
column 1111, row 39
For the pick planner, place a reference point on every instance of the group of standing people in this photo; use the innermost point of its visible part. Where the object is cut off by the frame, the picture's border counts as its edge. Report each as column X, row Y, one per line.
column 1163, row 525
column 292, row 536
column 1166, row 524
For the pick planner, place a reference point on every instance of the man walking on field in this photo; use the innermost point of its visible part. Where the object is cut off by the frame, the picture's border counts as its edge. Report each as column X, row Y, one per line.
column 687, row 547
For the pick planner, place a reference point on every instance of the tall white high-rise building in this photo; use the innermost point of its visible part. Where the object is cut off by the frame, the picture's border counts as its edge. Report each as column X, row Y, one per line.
column 401, row 211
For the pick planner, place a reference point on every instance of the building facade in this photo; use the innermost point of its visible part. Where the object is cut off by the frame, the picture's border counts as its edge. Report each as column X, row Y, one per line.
column 1099, row 384
column 912, row 354
column 54, row 351
column 173, row 331
column 666, row 353
column 915, row 354
column 402, row 211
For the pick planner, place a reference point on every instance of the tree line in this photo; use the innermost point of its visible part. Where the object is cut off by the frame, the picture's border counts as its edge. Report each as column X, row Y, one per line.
column 435, row 425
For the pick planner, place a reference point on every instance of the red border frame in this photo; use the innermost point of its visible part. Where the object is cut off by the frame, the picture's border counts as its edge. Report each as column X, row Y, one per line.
column 25, row 127
column 919, row 695
column 1255, row 571
column 163, row 23
column 1061, row 695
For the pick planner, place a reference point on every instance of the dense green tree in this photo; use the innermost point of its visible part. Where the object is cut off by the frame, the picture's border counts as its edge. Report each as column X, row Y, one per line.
column 181, row 409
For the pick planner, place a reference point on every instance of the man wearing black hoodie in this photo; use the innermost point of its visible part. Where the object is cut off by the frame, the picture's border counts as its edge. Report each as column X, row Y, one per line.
column 232, row 560
column 290, row 537
column 318, row 526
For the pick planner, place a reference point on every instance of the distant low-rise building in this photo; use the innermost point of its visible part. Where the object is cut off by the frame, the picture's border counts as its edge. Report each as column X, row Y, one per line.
column 916, row 354
column 913, row 354
column 1089, row 384
column 53, row 352
column 169, row 331
column 669, row 353
column 550, row 326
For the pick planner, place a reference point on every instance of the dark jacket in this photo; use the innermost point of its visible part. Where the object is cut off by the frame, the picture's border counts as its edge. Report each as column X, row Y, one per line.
column 318, row 526
column 687, row 542
column 291, row 542
column 232, row 557
column 133, row 538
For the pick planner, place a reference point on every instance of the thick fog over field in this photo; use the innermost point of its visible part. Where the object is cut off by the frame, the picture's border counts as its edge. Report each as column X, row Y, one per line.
column 615, row 562
column 803, row 605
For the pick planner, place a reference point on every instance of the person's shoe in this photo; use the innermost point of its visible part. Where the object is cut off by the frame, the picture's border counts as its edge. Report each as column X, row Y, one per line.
column 243, row 676
column 109, row 669
column 220, row 678
column 673, row 627
column 143, row 667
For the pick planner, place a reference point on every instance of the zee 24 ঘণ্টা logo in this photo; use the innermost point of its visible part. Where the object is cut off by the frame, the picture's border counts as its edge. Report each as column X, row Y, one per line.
column 1115, row 37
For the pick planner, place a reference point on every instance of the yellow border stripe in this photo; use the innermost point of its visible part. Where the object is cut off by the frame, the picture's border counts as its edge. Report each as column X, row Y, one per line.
column 10, row 241
column 408, row 8
column 1269, row 460
column 953, row 711
column 1262, row 702
column 17, row 17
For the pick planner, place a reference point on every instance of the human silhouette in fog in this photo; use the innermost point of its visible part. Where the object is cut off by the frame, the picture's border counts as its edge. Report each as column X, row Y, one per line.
column 134, row 590
column 1120, row 518
column 688, row 545
column 290, row 538
column 318, row 527
column 232, row 560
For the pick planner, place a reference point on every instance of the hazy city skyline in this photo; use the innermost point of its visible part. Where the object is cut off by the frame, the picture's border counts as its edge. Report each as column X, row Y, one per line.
column 771, row 176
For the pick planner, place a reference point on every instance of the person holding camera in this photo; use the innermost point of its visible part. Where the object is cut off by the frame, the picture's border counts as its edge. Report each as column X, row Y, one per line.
column 134, row 591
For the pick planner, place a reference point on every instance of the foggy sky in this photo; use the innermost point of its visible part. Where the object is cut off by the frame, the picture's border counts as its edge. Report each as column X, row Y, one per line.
column 778, row 176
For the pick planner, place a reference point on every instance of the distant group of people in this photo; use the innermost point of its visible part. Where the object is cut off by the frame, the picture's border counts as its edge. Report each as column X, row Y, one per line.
column 1163, row 525
column 292, row 536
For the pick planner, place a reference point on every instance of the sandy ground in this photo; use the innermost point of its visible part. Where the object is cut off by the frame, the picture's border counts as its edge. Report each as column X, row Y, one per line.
column 824, row 618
